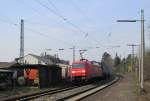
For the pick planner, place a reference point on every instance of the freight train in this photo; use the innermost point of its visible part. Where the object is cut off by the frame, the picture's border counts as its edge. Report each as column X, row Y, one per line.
column 85, row 70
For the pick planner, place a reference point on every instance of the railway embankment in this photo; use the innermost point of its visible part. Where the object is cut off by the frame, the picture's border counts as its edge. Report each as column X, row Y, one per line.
column 124, row 90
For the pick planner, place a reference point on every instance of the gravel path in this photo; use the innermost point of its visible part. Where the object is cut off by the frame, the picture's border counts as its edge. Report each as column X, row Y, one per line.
column 124, row 90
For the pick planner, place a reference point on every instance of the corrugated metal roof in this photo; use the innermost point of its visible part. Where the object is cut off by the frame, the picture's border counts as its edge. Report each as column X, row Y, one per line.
column 47, row 59
column 6, row 64
column 43, row 59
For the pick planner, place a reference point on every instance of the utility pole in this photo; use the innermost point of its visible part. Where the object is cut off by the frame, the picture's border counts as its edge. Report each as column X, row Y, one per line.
column 139, row 63
column 73, row 58
column 74, row 53
column 142, row 49
column 132, row 45
column 22, row 42
column 142, row 20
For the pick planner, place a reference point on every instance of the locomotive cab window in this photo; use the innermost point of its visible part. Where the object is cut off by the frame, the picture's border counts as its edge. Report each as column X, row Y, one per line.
column 77, row 65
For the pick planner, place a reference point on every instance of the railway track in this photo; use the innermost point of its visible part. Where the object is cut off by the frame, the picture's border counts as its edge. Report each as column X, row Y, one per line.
column 72, row 97
column 88, row 92
column 80, row 92
column 36, row 95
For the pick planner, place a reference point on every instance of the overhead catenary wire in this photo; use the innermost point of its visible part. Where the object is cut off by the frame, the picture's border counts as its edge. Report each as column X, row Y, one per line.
column 57, row 13
column 8, row 21
column 84, row 14
column 80, row 10
column 60, row 16
column 66, row 19
column 86, row 34
column 72, row 27
column 31, row 7
column 47, row 36
column 37, row 32
column 53, row 5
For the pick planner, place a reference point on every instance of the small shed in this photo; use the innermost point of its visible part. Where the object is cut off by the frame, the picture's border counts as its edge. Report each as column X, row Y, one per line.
column 6, row 80
column 47, row 74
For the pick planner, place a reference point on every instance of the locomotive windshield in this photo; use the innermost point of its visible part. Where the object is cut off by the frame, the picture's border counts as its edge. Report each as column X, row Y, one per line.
column 77, row 65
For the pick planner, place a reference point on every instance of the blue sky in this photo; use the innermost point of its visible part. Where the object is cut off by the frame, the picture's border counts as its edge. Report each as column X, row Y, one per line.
column 95, row 17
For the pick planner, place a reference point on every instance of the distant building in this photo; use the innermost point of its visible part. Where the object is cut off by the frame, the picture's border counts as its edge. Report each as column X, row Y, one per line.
column 44, row 59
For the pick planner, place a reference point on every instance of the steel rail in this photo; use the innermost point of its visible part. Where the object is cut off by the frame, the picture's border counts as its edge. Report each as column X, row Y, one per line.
column 37, row 94
column 88, row 92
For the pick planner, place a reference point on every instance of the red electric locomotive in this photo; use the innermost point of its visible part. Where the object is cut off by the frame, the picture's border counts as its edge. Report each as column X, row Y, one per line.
column 84, row 70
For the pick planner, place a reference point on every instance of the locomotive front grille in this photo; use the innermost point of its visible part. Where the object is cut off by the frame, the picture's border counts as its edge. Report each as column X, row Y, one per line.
column 79, row 78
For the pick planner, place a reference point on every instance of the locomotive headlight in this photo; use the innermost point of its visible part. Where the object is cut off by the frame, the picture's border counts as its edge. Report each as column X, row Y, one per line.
column 83, row 71
column 73, row 71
